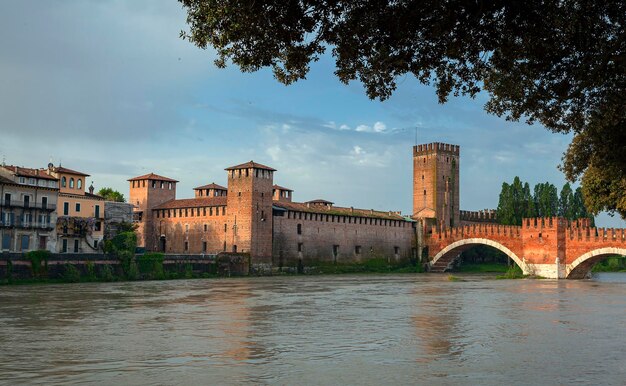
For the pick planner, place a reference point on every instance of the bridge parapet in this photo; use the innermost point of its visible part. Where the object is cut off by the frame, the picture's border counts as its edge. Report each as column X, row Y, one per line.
column 477, row 230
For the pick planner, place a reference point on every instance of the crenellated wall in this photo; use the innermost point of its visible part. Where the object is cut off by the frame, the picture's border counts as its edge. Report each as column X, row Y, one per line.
column 550, row 247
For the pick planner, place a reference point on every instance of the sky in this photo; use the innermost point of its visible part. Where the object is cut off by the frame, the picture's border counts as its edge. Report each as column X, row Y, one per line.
column 109, row 88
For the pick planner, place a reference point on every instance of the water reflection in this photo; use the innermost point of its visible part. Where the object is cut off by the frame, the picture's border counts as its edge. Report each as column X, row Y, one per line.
column 316, row 330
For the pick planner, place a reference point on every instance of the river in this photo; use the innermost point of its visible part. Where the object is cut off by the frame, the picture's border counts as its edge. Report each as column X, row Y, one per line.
column 318, row 330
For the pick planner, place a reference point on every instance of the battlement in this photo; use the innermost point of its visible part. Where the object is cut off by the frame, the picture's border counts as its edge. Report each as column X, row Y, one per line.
column 608, row 235
column 477, row 231
column 485, row 215
column 544, row 222
column 435, row 147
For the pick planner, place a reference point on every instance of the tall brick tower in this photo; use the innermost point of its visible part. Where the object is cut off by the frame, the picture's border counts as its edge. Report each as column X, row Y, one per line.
column 249, row 211
column 436, row 184
column 146, row 192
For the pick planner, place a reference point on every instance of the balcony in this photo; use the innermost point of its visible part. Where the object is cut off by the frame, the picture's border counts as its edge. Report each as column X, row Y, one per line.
column 29, row 205
column 19, row 224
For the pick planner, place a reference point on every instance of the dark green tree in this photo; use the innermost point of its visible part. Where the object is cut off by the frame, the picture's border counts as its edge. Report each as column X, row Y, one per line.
column 529, row 202
column 506, row 209
column 111, row 195
column 546, row 200
column 559, row 63
column 566, row 202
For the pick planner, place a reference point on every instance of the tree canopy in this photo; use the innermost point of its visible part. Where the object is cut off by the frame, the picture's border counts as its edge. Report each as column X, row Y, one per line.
column 559, row 63
column 111, row 195
column 516, row 202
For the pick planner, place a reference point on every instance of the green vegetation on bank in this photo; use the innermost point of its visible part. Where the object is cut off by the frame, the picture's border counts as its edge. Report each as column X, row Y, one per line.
column 513, row 272
column 611, row 264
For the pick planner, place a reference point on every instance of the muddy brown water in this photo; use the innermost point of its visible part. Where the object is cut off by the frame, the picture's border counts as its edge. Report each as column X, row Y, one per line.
column 317, row 330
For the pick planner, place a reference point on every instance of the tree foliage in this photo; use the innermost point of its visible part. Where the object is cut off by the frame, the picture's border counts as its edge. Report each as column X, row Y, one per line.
column 111, row 195
column 559, row 63
column 516, row 202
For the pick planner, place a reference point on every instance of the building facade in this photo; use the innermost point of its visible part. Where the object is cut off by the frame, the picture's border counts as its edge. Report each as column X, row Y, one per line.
column 27, row 209
column 80, row 213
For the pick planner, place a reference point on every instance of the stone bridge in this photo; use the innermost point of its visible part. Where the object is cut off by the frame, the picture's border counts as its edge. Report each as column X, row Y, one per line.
column 550, row 247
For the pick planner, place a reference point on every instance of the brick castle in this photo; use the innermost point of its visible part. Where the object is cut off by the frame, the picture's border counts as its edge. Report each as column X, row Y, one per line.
column 253, row 215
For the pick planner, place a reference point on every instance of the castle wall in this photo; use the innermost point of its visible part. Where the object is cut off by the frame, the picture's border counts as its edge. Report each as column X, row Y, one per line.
column 337, row 238
column 193, row 230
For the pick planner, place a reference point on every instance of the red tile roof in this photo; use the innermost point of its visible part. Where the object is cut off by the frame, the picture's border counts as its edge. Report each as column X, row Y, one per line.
column 278, row 187
column 29, row 172
column 251, row 164
column 336, row 210
column 152, row 176
column 61, row 169
column 197, row 202
column 212, row 185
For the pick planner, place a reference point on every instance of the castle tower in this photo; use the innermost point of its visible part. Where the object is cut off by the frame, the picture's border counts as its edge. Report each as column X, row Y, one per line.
column 436, row 184
column 249, row 211
column 147, row 192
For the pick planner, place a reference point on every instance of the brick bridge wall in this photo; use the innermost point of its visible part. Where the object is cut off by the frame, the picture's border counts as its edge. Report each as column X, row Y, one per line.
column 550, row 247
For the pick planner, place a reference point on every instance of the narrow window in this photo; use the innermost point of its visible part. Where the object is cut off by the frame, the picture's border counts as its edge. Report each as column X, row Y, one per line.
column 424, row 192
column 335, row 250
column 169, row 185
column 299, row 247
column 224, row 231
column 206, row 227
column 71, row 183
column 79, row 184
column 396, row 250
column 44, row 202
column 78, row 207
column 64, row 248
column 299, row 228
column 153, row 184
column 357, row 249
column 204, row 211
column 204, row 247
column 64, row 184
column 186, row 246
column 187, row 228
column 95, row 244
column 76, row 242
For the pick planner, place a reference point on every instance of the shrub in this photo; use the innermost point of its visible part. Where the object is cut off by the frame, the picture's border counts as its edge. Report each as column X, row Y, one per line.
column 189, row 271
column 91, row 270
column 71, row 274
column 106, row 273
column 150, row 265
column 36, row 258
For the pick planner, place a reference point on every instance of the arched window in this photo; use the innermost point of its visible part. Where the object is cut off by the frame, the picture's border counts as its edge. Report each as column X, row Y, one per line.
column 71, row 183
column 63, row 181
column 79, row 184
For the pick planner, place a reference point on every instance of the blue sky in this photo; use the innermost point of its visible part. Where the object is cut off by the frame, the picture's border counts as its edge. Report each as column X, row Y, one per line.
column 109, row 88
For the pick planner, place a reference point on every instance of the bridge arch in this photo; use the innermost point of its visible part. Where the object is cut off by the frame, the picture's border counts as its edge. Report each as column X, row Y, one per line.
column 452, row 250
column 583, row 264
